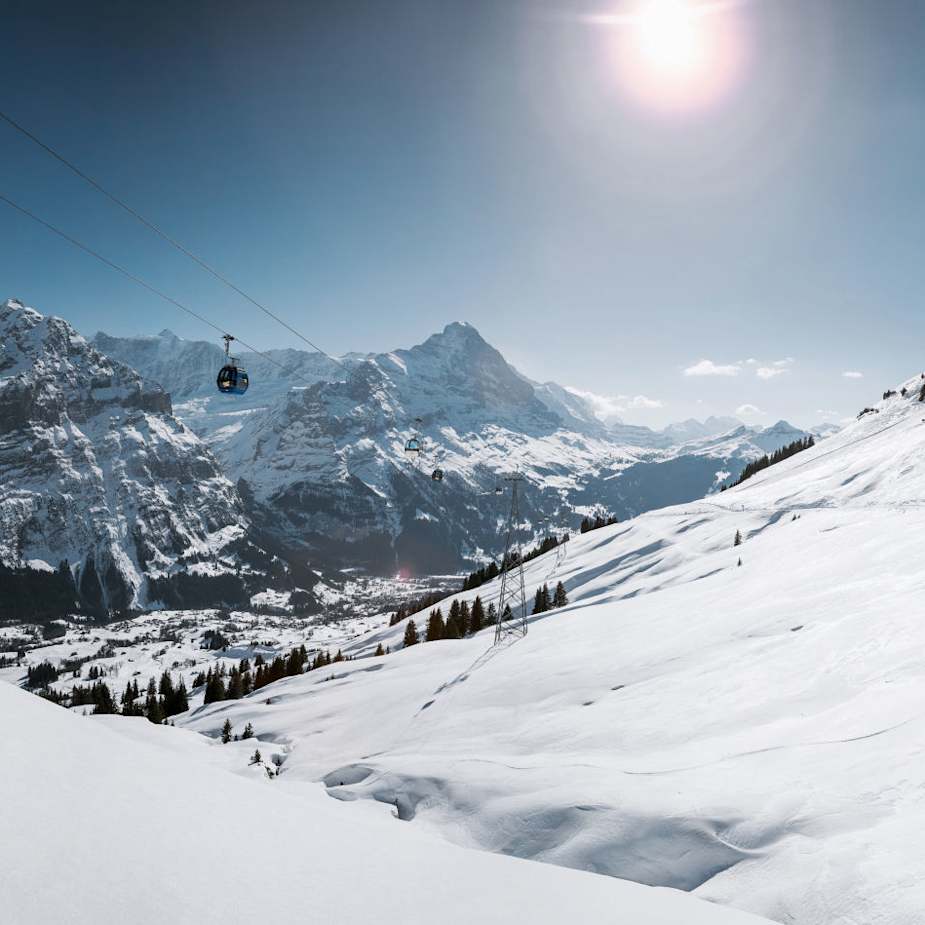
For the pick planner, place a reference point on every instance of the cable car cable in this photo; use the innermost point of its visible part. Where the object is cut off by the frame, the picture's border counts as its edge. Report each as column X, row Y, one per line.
column 163, row 234
column 146, row 285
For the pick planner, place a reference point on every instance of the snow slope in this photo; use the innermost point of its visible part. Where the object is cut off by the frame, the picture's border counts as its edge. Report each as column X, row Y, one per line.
column 118, row 820
column 753, row 733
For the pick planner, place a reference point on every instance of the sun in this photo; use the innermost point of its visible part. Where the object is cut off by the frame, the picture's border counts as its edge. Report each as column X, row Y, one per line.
column 678, row 54
column 671, row 37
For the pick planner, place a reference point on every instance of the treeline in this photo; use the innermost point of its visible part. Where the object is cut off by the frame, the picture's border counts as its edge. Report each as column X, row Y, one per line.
column 488, row 572
column 168, row 697
column 587, row 524
column 785, row 452
column 224, row 683
column 462, row 620
column 161, row 699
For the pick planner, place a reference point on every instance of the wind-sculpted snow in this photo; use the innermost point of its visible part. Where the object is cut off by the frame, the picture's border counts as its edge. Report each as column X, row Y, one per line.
column 114, row 818
column 95, row 472
column 321, row 452
column 742, row 721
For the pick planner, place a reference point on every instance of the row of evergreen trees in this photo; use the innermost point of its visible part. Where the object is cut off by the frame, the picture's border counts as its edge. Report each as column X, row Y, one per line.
column 223, row 683
column 588, row 524
column 160, row 700
column 461, row 620
column 544, row 601
column 785, row 452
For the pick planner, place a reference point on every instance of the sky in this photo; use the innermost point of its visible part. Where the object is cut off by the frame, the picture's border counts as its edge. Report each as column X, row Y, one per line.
column 723, row 224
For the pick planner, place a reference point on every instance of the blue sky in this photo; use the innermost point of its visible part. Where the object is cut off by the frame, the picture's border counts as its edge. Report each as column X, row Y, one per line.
column 373, row 171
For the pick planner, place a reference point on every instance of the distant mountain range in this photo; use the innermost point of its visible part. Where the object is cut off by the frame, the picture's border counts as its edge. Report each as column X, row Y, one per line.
column 316, row 448
column 127, row 481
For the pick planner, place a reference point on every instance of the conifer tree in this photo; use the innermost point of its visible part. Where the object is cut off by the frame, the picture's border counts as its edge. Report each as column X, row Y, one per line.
column 248, row 732
column 451, row 631
column 180, row 698
column 436, row 629
column 380, row 650
column 560, row 598
column 411, row 635
column 738, row 539
column 215, row 687
column 256, row 758
column 464, row 618
column 477, row 616
column 226, row 732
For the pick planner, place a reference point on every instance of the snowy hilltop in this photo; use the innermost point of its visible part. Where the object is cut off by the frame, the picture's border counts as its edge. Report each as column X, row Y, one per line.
column 729, row 703
column 317, row 452
column 105, row 497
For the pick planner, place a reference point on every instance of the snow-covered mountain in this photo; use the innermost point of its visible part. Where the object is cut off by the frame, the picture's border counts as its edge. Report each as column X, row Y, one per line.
column 102, row 489
column 740, row 720
column 317, row 454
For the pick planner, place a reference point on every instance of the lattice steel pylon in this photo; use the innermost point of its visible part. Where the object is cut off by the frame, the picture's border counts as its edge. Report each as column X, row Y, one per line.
column 512, row 601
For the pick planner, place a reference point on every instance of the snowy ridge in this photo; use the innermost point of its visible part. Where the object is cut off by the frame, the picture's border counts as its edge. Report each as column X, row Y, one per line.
column 748, row 732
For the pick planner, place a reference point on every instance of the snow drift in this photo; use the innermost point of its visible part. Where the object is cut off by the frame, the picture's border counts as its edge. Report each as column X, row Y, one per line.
column 110, row 820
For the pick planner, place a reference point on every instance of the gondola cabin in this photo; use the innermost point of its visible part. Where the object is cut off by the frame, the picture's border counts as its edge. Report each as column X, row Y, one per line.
column 437, row 475
column 232, row 380
column 413, row 449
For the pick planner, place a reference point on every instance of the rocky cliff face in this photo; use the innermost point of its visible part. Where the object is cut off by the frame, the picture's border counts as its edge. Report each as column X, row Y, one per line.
column 101, row 485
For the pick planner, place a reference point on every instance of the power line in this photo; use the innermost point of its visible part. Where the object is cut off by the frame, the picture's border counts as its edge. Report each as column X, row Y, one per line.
column 137, row 279
column 158, row 231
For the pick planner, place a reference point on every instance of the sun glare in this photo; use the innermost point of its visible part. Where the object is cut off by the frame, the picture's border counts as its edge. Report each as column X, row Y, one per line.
column 678, row 54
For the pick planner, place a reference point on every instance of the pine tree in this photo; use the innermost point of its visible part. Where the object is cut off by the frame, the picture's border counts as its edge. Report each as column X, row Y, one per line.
column 102, row 699
column 256, row 758
column 436, row 629
column 492, row 615
column 380, row 650
column 738, row 539
column 248, row 732
column 180, row 698
column 538, row 601
column 154, row 709
column 226, row 732
column 235, row 689
column 560, row 598
column 451, row 630
column 411, row 635
column 477, row 616
column 464, row 618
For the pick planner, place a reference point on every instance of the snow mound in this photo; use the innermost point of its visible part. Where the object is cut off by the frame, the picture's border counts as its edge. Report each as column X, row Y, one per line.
column 196, row 843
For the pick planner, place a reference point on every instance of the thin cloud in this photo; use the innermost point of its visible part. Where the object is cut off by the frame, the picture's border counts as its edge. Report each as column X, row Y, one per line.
column 642, row 401
column 777, row 368
column 610, row 406
column 750, row 411
column 709, row 368
column 853, row 374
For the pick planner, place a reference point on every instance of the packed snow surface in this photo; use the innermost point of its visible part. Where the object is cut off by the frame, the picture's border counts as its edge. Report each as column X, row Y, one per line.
column 743, row 722
column 114, row 819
